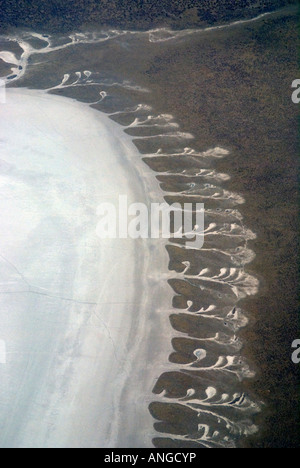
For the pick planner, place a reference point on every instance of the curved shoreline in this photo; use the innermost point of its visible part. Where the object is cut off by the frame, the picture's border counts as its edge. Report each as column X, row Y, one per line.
column 126, row 268
column 221, row 286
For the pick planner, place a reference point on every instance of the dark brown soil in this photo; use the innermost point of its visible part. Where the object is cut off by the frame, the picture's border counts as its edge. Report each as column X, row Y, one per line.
column 62, row 15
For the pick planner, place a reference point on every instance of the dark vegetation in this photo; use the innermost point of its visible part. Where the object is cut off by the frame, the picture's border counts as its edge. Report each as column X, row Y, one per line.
column 59, row 15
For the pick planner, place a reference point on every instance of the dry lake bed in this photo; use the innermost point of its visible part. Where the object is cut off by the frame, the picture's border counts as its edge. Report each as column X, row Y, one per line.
column 148, row 342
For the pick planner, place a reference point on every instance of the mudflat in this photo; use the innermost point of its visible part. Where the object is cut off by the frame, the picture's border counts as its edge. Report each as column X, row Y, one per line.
column 230, row 88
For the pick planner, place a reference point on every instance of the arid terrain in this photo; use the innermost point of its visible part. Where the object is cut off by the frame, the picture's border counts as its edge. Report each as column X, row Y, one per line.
column 230, row 88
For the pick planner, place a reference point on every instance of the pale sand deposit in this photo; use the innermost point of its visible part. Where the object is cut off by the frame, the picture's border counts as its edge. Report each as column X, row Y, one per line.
column 75, row 309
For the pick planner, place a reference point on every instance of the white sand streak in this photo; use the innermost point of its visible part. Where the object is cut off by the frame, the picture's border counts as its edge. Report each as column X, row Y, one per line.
column 159, row 35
